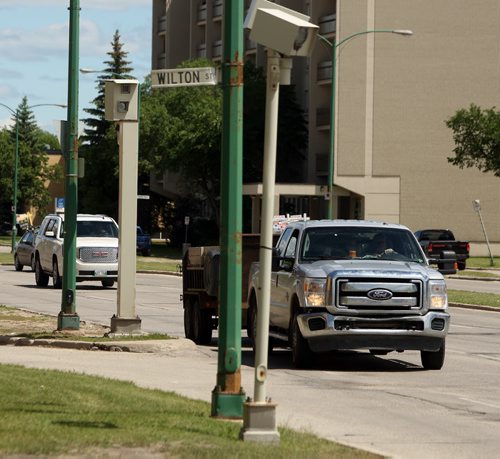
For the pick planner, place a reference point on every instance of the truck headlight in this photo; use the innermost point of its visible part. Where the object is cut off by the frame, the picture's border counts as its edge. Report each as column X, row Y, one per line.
column 438, row 296
column 314, row 292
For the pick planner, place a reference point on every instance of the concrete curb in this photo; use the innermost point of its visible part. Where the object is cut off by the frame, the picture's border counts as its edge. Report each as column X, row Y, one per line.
column 474, row 306
column 167, row 346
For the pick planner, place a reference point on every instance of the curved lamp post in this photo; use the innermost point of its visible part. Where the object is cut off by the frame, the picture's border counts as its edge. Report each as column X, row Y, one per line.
column 15, row 114
column 333, row 46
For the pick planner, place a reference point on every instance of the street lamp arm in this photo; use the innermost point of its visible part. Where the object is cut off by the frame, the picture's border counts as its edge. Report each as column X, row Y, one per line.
column 333, row 48
column 8, row 108
column 396, row 31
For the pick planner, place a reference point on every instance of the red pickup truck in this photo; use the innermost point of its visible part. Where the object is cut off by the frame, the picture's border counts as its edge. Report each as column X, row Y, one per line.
column 439, row 243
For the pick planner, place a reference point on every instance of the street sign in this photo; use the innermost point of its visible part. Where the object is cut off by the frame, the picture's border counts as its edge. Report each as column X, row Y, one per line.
column 169, row 78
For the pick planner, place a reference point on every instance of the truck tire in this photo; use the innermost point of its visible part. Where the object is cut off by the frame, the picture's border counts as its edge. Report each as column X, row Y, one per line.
column 433, row 360
column 202, row 324
column 252, row 327
column 301, row 353
column 17, row 265
column 41, row 278
column 461, row 265
column 188, row 320
column 56, row 278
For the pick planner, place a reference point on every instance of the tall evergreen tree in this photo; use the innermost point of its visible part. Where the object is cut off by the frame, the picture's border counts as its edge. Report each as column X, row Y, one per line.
column 99, row 188
column 33, row 165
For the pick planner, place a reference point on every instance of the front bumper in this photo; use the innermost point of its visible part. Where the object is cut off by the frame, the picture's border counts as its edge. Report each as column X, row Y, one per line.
column 96, row 271
column 326, row 332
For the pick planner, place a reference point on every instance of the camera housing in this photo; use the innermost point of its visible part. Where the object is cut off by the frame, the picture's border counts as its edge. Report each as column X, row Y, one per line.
column 282, row 29
column 121, row 100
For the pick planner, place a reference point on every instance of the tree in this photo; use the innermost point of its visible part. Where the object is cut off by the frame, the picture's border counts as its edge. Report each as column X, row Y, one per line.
column 33, row 165
column 476, row 134
column 292, row 130
column 181, row 131
column 99, row 187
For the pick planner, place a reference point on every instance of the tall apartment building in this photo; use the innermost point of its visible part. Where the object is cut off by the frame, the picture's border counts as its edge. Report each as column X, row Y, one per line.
column 393, row 95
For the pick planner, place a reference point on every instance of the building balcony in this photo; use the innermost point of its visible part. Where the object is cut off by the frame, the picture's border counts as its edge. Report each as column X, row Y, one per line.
column 328, row 25
column 202, row 13
column 201, row 51
column 162, row 24
column 161, row 61
column 323, row 119
column 217, row 49
column 217, row 10
column 324, row 72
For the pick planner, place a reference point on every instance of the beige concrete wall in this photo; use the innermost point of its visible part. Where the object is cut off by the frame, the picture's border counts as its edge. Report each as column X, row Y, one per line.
column 452, row 60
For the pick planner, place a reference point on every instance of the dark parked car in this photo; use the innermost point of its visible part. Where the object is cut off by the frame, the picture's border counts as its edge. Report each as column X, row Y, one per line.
column 25, row 250
column 143, row 242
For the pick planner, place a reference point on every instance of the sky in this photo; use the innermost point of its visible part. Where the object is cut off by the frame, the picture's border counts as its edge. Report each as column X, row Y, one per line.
column 34, row 50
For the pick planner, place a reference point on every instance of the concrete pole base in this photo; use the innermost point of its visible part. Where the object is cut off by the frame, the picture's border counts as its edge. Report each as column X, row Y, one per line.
column 125, row 326
column 259, row 423
column 68, row 321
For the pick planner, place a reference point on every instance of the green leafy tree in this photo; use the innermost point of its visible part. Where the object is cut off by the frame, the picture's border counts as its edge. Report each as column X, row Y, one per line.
column 292, row 130
column 181, row 131
column 99, row 188
column 33, row 166
column 476, row 134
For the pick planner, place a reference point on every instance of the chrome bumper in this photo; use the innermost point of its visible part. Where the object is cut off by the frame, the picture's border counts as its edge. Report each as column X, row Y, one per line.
column 326, row 332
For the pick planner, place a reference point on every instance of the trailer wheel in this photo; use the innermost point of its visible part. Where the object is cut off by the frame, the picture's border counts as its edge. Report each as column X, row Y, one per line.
column 202, row 324
column 188, row 321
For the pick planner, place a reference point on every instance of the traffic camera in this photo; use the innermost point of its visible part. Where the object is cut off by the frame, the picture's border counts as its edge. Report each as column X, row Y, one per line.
column 281, row 29
column 121, row 100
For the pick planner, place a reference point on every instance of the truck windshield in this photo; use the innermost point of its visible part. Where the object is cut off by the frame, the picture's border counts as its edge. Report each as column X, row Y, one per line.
column 96, row 229
column 341, row 243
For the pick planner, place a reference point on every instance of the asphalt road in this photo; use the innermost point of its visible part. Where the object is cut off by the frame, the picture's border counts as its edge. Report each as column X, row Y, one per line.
column 383, row 404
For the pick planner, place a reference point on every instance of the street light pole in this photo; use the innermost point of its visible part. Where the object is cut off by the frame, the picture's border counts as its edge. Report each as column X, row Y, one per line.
column 68, row 319
column 15, row 113
column 331, row 154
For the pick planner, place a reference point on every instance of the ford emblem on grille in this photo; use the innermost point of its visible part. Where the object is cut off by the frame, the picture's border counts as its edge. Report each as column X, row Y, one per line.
column 379, row 294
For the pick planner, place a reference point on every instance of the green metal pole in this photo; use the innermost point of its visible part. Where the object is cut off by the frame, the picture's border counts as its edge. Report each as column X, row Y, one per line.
column 331, row 163
column 68, row 318
column 228, row 396
column 14, row 190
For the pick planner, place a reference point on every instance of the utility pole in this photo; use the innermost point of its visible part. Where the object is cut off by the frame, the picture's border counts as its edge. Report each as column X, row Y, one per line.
column 228, row 396
column 68, row 319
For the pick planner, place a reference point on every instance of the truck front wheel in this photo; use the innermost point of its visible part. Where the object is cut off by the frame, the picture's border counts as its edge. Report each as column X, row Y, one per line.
column 252, row 327
column 301, row 353
column 41, row 278
column 433, row 360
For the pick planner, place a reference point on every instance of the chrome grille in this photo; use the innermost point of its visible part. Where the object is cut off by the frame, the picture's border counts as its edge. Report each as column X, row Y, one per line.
column 99, row 254
column 378, row 294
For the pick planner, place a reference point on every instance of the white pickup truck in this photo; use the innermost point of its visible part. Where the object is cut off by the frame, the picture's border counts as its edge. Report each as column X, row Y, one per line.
column 349, row 284
column 96, row 250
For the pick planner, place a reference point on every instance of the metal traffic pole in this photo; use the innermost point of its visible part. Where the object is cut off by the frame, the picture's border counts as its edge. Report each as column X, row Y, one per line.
column 68, row 319
column 228, row 396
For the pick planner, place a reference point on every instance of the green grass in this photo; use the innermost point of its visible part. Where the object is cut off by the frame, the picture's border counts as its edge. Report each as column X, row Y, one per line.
column 483, row 262
column 472, row 273
column 46, row 412
column 484, row 299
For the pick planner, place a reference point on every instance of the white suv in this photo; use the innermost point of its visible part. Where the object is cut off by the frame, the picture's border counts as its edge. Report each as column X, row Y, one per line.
column 96, row 250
